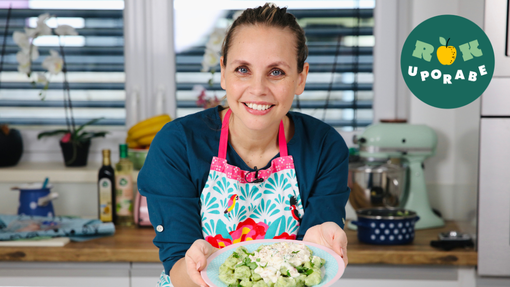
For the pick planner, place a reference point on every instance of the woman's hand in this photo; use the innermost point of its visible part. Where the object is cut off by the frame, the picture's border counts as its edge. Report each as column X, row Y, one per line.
column 329, row 234
column 196, row 260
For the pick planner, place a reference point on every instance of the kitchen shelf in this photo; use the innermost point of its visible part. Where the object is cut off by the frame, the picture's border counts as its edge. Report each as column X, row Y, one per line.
column 26, row 172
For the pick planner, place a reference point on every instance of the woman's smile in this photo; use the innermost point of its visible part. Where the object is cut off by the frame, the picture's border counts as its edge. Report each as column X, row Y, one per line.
column 258, row 108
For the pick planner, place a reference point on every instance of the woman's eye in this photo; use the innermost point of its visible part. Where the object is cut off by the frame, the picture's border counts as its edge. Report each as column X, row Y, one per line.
column 276, row 72
column 242, row 70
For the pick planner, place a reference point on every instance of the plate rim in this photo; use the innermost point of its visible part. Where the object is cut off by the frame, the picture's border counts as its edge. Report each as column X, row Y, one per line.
column 337, row 257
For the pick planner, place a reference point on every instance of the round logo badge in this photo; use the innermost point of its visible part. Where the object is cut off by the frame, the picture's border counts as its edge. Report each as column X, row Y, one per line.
column 447, row 61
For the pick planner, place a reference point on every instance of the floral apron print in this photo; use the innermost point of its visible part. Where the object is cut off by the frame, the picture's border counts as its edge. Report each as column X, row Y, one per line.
column 238, row 205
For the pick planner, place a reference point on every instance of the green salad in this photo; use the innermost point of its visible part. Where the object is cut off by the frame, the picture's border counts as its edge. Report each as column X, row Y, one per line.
column 282, row 264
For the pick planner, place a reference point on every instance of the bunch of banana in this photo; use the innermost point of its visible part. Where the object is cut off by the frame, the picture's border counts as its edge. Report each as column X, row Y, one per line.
column 143, row 133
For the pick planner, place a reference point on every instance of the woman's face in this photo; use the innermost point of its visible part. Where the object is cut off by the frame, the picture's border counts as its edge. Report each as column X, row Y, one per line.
column 261, row 75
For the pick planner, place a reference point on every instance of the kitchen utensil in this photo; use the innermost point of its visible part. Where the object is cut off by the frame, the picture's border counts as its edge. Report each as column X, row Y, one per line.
column 141, row 211
column 333, row 268
column 413, row 144
column 45, row 183
column 386, row 226
column 36, row 200
column 452, row 239
column 376, row 184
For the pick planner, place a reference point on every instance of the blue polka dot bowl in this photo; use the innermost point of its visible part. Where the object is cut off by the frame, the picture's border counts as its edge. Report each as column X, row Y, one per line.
column 386, row 226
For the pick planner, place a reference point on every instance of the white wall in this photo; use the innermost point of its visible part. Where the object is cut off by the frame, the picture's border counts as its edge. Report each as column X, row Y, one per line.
column 452, row 174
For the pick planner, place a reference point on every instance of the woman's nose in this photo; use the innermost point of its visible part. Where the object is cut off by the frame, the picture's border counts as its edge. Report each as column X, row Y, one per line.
column 258, row 86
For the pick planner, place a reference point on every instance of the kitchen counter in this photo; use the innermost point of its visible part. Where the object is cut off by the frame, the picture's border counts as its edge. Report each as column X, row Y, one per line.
column 135, row 245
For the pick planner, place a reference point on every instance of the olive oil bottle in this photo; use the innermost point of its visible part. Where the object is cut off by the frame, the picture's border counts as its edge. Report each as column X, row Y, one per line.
column 106, row 189
column 124, row 188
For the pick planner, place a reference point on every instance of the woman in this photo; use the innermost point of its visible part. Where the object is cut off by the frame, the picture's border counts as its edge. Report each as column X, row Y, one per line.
column 253, row 170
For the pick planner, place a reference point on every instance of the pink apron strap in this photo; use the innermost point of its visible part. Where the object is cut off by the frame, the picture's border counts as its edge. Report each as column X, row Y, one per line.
column 222, row 151
column 282, row 142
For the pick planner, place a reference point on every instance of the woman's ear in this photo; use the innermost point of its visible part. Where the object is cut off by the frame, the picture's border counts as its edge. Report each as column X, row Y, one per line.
column 302, row 79
column 222, row 67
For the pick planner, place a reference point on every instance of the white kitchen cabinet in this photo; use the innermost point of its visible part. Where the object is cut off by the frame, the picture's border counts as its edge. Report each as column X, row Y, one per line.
column 64, row 274
column 147, row 274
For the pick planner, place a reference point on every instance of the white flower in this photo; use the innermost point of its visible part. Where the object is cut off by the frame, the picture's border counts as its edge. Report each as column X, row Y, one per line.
column 42, row 18
column 211, row 59
column 62, row 30
column 41, row 78
column 23, row 57
column 216, row 39
column 41, row 29
column 21, row 39
column 53, row 63
column 24, row 69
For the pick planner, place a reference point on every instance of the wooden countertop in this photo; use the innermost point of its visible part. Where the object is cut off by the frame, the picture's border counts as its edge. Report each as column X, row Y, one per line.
column 135, row 245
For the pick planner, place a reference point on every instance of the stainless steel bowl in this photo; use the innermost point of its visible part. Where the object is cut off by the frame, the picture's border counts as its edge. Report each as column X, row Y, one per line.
column 376, row 184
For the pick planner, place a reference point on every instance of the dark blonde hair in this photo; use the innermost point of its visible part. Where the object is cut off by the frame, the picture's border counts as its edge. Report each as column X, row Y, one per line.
column 269, row 15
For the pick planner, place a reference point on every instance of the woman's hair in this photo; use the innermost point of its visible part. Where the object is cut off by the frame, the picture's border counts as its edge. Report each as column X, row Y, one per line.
column 269, row 15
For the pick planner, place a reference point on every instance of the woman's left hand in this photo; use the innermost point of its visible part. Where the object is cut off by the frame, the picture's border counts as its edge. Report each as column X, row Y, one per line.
column 330, row 235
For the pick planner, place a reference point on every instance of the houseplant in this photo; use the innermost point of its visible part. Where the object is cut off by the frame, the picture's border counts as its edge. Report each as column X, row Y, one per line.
column 76, row 142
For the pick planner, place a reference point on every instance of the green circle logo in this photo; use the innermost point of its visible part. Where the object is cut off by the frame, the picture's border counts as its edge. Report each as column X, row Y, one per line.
column 447, row 61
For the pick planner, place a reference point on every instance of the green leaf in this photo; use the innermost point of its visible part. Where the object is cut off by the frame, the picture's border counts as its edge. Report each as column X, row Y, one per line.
column 51, row 133
column 247, row 253
column 308, row 272
column 442, row 41
column 235, row 255
column 88, row 135
column 301, row 269
column 288, row 273
column 86, row 124
column 294, row 252
column 252, row 265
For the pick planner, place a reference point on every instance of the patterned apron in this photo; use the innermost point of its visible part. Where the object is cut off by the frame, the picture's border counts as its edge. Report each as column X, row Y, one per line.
column 238, row 205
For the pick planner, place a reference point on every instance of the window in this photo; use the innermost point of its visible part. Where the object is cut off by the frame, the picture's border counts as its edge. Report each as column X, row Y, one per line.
column 94, row 58
column 340, row 41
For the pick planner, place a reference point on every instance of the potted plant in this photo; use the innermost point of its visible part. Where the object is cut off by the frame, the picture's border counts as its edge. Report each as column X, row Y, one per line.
column 75, row 144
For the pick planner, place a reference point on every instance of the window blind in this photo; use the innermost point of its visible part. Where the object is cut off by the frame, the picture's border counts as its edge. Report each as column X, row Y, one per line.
column 339, row 85
column 94, row 60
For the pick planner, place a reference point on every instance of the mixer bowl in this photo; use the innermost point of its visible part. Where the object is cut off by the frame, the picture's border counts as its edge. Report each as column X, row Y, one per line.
column 376, row 184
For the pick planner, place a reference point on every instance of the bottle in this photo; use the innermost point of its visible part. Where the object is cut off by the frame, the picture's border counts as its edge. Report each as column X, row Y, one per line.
column 124, row 189
column 106, row 189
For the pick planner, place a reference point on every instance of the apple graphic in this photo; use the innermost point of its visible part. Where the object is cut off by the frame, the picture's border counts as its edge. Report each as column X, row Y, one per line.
column 446, row 54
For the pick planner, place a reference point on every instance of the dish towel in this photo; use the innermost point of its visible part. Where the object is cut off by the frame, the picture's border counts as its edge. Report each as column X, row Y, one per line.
column 15, row 227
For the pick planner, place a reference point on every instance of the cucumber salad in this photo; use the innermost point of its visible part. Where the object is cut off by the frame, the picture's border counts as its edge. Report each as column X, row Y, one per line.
column 282, row 264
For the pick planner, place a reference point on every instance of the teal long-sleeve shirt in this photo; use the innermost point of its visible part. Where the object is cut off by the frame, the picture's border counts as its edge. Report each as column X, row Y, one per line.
column 178, row 163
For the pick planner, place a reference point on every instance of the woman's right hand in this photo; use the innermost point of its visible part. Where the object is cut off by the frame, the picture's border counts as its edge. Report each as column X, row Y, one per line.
column 196, row 260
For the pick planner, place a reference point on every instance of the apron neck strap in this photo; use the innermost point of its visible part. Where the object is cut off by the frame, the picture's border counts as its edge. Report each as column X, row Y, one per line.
column 222, row 152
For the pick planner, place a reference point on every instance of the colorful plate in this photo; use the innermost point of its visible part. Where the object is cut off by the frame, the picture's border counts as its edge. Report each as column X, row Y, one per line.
column 333, row 269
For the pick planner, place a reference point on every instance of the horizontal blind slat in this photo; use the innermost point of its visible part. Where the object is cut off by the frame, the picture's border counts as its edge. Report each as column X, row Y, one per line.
column 76, row 104
column 60, row 121
column 72, row 86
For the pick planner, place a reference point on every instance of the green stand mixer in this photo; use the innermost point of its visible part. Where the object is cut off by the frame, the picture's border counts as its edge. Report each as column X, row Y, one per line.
column 412, row 144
